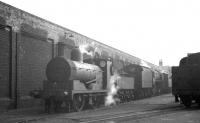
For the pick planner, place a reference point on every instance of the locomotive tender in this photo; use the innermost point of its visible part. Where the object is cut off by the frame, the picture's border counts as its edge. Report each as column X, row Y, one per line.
column 79, row 82
column 186, row 79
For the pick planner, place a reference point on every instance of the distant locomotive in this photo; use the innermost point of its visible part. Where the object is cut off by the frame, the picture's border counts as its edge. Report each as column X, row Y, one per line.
column 186, row 79
column 77, row 82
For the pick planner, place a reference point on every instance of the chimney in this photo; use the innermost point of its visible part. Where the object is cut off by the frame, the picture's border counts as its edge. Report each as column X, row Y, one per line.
column 61, row 48
column 160, row 62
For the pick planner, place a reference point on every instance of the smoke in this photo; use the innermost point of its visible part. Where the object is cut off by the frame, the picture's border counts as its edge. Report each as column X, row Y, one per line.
column 90, row 50
column 113, row 88
column 143, row 63
column 87, row 49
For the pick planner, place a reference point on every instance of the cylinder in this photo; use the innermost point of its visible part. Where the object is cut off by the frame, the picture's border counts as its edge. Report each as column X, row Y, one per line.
column 60, row 69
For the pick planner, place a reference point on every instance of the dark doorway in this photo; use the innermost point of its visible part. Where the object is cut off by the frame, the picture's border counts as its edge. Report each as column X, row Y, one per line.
column 5, row 61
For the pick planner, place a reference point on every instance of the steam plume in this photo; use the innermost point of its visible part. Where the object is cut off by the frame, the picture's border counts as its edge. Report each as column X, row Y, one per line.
column 143, row 63
column 113, row 88
column 87, row 49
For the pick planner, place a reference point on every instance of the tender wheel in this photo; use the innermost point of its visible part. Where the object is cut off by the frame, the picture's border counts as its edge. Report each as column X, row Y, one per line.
column 186, row 101
column 198, row 101
column 187, row 104
column 78, row 102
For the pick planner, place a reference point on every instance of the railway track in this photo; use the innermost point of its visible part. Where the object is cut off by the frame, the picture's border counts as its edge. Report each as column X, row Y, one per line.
column 132, row 111
column 101, row 117
column 127, row 115
column 33, row 119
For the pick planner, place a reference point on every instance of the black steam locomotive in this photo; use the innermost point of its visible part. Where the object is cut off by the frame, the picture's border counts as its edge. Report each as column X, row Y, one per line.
column 186, row 79
column 76, row 83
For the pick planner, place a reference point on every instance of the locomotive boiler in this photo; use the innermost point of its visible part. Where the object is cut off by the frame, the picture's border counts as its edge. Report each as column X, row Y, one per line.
column 186, row 79
column 60, row 69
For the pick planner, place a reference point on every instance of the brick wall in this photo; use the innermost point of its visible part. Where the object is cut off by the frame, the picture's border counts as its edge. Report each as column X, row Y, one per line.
column 34, row 52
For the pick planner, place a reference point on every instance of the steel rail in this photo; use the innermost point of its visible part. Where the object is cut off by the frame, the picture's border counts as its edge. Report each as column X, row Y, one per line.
column 132, row 115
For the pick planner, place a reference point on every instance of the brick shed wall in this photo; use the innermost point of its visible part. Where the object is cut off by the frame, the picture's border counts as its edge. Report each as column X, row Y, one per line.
column 35, row 50
column 34, row 53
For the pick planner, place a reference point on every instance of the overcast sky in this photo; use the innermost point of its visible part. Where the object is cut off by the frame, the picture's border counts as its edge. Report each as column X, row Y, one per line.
column 148, row 29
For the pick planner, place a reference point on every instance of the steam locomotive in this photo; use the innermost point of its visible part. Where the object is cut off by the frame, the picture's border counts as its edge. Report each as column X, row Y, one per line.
column 186, row 79
column 78, row 83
